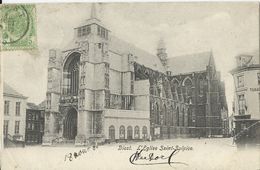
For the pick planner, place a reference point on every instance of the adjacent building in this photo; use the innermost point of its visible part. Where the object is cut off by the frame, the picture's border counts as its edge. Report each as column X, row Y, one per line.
column 101, row 87
column 246, row 104
column 14, row 115
column 34, row 124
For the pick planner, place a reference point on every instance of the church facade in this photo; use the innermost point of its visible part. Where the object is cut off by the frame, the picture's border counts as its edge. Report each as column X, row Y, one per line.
column 103, row 88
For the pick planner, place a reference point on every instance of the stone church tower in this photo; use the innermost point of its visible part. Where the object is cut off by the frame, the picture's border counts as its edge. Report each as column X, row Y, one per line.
column 78, row 78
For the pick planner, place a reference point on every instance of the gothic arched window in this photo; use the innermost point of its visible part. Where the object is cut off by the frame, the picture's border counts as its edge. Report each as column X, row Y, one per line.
column 174, row 86
column 179, row 92
column 157, row 114
column 178, row 117
column 187, row 92
column 164, row 114
column 172, row 116
column 71, row 74
column 189, row 117
column 122, row 132
column 201, row 85
column 183, row 117
column 137, row 132
column 144, row 132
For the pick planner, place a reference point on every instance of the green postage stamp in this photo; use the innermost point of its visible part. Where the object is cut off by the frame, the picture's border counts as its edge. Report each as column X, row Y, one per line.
column 19, row 27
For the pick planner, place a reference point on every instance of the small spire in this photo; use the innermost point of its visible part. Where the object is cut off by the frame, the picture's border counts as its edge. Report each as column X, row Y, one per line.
column 161, row 44
column 93, row 11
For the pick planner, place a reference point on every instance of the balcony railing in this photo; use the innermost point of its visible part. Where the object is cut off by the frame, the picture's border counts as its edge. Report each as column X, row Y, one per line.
column 125, row 102
column 241, row 112
column 68, row 99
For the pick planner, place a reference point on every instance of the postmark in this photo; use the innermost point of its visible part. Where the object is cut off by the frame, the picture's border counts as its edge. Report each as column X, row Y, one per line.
column 19, row 27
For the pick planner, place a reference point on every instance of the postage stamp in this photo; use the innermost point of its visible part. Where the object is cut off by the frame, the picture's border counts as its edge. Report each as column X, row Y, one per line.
column 19, row 27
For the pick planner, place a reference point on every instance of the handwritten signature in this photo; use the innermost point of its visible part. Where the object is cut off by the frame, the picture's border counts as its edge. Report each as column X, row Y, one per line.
column 70, row 156
column 140, row 158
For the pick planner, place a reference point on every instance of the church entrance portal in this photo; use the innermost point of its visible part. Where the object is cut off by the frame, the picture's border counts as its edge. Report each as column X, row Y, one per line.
column 70, row 124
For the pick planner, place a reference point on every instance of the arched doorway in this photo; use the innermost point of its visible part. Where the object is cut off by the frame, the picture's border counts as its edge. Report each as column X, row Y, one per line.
column 70, row 124
column 111, row 132
column 129, row 132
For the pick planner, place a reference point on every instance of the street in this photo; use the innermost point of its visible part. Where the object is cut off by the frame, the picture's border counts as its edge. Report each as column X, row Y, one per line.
column 217, row 154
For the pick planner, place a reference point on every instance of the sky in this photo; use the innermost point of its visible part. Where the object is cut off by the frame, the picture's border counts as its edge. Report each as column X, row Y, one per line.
column 226, row 29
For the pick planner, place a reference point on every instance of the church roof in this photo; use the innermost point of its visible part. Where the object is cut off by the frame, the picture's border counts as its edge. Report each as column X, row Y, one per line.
column 189, row 63
column 9, row 91
column 141, row 56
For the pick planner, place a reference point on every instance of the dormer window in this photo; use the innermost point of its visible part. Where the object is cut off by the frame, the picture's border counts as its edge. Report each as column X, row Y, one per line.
column 84, row 31
column 244, row 60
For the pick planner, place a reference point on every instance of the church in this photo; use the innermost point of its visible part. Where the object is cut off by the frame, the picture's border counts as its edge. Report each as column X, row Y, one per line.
column 103, row 88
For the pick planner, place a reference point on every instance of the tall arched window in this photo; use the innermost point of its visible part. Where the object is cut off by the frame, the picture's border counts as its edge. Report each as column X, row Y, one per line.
column 111, row 132
column 152, row 110
column 189, row 117
column 179, row 92
column 168, row 117
column 157, row 114
column 174, row 85
column 144, row 132
column 187, row 90
column 178, row 117
column 201, row 85
column 137, row 132
column 172, row 116
column 71, row 74
column 122, row 132
column 183, row 117
column 165, row 115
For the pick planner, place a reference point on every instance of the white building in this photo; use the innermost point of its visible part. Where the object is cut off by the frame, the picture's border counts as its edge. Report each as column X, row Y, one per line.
column 14, row 113
column 246, row 106
column 247, row 85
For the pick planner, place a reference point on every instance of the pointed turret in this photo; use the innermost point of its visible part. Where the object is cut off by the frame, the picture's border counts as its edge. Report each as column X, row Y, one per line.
column 161, row 44
column 93, row 14
column 161, row 52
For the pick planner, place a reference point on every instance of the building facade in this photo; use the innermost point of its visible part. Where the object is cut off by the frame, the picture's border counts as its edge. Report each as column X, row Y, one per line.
column 246, row 105
column 34, row 124
column 14, row 114
column 102, row 87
